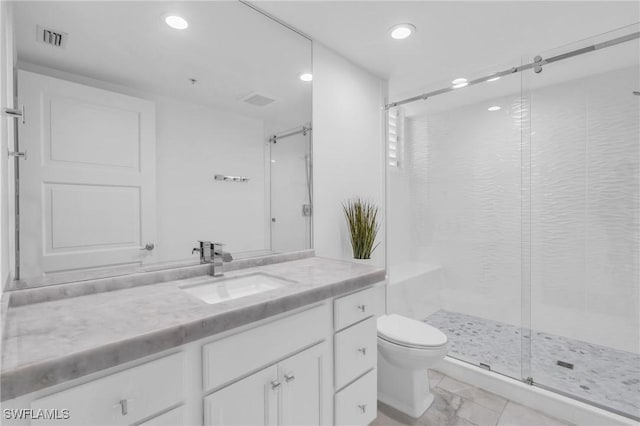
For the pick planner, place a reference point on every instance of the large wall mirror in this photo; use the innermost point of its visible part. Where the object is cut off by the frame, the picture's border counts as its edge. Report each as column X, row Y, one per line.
column 152, row 125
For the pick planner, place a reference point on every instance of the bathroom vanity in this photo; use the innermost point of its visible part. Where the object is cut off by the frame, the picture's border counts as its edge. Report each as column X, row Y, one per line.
column 302, row 353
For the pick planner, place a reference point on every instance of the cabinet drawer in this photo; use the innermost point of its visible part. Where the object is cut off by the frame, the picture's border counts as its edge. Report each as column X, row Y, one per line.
column 357, row 403
column 356, row 351
column 234, row 356
column 122, row 398
column 353, row 308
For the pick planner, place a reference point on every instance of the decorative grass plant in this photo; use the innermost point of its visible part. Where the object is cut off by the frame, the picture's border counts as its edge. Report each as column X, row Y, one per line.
column 362, row 218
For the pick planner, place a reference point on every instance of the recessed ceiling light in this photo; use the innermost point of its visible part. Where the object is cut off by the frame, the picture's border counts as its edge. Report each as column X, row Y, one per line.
column 494, row 78
column 176, row 22
column 306, row 76
column 402, row 31
column 494, row 108
column 459, row 85
column 459, row 81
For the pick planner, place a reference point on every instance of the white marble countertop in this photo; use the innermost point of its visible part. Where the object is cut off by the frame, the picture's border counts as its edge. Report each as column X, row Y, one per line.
column 51, row 342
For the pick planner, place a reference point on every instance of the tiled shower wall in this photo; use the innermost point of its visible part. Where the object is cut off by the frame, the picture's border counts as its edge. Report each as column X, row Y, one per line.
column 463, row 173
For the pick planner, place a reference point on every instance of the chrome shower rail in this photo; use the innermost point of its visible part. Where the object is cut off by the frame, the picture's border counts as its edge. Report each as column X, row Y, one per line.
column 303, row 130
column 536, row 65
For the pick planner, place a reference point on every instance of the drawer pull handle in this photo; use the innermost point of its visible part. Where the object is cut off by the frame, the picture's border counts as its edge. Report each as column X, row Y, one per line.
column 123, row 404
column 289, row 378
column 275, row 384
column 363, row 408
column 362, row 308
column 363, row 351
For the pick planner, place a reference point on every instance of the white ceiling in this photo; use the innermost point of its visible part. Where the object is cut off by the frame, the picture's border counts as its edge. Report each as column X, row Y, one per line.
column 453, row 38
column 231, row 50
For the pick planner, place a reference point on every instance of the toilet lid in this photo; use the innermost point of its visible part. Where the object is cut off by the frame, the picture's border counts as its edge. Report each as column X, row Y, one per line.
column 409, row 332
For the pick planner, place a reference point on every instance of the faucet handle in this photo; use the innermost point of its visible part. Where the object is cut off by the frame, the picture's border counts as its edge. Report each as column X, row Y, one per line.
column 216, row 248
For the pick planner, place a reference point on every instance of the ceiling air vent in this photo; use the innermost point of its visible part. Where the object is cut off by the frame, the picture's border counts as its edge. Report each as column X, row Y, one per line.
column 257, row 99
column 51, row 37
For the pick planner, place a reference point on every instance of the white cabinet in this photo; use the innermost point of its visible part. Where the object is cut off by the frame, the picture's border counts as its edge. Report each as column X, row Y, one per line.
column 356, row 356
column 356, row 405
column 356, row 350
column 302, row 384
column 122, row 398
column 287, row 394
column 298, row 369
column 250, row 401
column 355, row 307
column 227, row 359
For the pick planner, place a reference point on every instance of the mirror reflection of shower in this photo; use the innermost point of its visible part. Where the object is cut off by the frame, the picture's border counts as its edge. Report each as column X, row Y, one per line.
column 291, row 174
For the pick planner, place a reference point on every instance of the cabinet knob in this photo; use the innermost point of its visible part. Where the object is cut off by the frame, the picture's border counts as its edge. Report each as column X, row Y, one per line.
column 362, row 308
column 275, row 384
column 289, row 378
column 363, row 351
column 363, row 408
column 149, row 247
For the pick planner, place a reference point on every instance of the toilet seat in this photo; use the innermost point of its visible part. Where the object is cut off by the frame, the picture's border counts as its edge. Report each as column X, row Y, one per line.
column 410, row 333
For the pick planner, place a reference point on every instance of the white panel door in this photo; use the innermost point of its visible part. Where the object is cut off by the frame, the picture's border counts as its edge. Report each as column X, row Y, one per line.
column 302, row 387
column 248, row 402
column 87, row 186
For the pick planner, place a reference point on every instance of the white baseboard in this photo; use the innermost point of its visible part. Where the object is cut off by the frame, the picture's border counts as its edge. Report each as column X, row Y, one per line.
column 550, row 403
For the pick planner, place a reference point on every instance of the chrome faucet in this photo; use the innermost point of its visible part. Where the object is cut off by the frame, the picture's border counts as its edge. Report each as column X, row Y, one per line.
column 212, row 253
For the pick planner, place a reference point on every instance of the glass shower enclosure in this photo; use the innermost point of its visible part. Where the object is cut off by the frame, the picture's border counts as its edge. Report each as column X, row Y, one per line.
column 514, row 219
column 290, row 169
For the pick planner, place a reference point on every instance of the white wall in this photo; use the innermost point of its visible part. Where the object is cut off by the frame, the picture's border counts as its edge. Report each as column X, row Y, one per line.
column 464, row 203
column 7, row 58
column 195, row 142
column 348, row 148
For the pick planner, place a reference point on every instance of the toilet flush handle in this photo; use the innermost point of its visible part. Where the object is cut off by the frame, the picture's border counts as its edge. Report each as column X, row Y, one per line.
column 362, row 308
column 363, row 351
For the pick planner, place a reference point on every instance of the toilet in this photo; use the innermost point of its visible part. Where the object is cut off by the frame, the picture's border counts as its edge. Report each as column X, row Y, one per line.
column 406, row 349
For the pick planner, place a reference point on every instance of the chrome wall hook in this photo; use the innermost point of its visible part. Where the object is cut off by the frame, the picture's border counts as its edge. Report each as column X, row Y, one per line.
column 14, row 112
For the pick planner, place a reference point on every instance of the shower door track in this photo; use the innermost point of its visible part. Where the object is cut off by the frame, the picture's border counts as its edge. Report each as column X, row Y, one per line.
column 536, row 65
column 531, row 382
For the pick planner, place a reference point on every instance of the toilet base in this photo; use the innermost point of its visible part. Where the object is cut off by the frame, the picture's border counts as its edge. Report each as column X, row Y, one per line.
column 405, row 390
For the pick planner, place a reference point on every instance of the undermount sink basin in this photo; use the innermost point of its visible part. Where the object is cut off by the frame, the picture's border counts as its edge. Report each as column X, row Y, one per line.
column 216, row 290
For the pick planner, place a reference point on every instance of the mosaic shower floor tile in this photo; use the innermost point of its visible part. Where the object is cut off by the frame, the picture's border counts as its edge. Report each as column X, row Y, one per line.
column 603, row 376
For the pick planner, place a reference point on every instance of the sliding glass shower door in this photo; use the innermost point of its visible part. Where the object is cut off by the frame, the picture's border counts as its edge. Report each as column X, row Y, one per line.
column 514, row 219
column 455, row 254
column 291, row 196
column 585, row 224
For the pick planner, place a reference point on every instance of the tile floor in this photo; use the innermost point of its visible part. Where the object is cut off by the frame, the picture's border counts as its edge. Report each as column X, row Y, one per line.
column 461, row 404
column 604, row 376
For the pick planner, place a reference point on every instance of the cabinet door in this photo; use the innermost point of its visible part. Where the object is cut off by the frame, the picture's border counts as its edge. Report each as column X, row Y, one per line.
column 302, row 387
column 250, row 401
